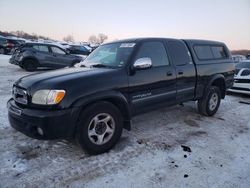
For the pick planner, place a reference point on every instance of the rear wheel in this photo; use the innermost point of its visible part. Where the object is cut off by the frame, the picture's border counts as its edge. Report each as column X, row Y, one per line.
column 210, row 102
column 30, row 65
column 99, row 128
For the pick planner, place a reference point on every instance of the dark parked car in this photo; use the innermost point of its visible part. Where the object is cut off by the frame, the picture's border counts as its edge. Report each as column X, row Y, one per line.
column 3, row 43
column 7, row 45
column 32, row 55
column 12, row 44
column 95, row 100
column 79, row 49
column 94, row 46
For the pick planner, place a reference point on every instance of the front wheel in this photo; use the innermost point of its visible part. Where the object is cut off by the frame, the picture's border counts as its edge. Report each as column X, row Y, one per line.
column 99, row 127
column 210, row 102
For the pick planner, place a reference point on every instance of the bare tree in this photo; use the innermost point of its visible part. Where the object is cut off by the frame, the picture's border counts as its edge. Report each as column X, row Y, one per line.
column 102, row 37
column 93, row 39
column 98, row 39
column 34, row 35
column 68, row 38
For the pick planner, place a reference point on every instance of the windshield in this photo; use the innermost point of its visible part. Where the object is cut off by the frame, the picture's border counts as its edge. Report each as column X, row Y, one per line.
column 243, row 64
column 110, row 55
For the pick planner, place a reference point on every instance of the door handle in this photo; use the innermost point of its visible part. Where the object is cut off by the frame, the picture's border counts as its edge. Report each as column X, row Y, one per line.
column 180, row 73
column 169, row 73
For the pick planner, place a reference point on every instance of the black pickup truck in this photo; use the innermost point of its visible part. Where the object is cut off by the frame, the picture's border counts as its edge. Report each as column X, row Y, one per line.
column 97, row 98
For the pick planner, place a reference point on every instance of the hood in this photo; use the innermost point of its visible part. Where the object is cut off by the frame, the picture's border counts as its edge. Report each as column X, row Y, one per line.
column 53, row 78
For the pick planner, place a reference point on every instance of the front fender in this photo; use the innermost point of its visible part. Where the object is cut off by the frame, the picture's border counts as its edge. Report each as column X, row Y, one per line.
column 115, row 97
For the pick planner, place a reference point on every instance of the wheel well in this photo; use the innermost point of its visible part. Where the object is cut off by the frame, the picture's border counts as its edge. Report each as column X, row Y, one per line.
column 220, row 83
column 121, row 107
column 30, row 58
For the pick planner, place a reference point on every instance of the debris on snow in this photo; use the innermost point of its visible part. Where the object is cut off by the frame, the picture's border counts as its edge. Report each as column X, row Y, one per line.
column 186, row 148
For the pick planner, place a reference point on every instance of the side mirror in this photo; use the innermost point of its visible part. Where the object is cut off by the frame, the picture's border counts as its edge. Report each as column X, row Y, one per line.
column 142, row 63
column 67, row 51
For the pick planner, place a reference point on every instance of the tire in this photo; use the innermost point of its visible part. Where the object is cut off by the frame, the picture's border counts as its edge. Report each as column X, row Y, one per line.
column 210, row 102
column 2, row 51
column 30, row 65
column 99, row 127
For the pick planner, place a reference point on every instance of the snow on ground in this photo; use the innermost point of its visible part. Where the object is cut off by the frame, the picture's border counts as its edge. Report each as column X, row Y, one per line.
column 148, row 156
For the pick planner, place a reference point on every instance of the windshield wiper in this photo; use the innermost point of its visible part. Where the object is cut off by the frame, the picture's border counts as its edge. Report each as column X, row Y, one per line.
column 99, row 65
column 96, row 65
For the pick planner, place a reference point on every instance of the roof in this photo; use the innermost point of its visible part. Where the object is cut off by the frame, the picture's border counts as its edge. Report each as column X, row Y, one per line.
column 194, row 41
column 200, row 41
column 43, row 43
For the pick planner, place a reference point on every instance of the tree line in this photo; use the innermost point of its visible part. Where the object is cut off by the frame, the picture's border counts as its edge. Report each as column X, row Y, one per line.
column 93, row 39
column 24, row 35
column 240, row 52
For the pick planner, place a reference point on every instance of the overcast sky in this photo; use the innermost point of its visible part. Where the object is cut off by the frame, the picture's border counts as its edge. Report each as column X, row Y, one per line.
column 223, row 20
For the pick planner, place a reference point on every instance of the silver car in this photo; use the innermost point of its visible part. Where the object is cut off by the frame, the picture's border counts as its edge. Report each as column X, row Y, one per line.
column 242, row 78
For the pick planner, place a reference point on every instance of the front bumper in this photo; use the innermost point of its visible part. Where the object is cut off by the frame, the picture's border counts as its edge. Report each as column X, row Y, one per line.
column 54, row 124
column 13, row 61
column 241, row 88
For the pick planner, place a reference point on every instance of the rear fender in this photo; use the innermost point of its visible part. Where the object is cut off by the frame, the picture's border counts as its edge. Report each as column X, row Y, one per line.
column 219, row 81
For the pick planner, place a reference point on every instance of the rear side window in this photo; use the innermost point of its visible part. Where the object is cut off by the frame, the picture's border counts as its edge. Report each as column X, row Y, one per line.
column 12, row 41
column 2, row 41
column 77, row 47
column 209, row 52
column 82, row 48
column 178, row 52
column 74, row 48
column 203, row 52
column 154, row 50
column 41, row 48
column 219, row 52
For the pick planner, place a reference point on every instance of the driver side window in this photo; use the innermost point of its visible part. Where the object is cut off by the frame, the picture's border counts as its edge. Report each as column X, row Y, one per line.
column 155, row 51
column 57, row 50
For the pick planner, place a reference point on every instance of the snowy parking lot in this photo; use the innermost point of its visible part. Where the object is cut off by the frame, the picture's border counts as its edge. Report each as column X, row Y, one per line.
column 170, row 147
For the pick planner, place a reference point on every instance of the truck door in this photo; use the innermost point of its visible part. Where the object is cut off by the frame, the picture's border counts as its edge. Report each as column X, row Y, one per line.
column 185, row 69
column 154, row 86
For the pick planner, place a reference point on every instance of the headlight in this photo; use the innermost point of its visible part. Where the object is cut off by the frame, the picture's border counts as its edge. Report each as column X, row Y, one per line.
column 48, row 97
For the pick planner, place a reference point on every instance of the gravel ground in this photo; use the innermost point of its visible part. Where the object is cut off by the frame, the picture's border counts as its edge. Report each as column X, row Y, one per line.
column 171, row 147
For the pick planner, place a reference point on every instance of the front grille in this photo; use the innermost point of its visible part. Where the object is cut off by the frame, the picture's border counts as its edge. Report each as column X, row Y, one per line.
column 240, row 88
column 242, row 80
column 20, row 95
